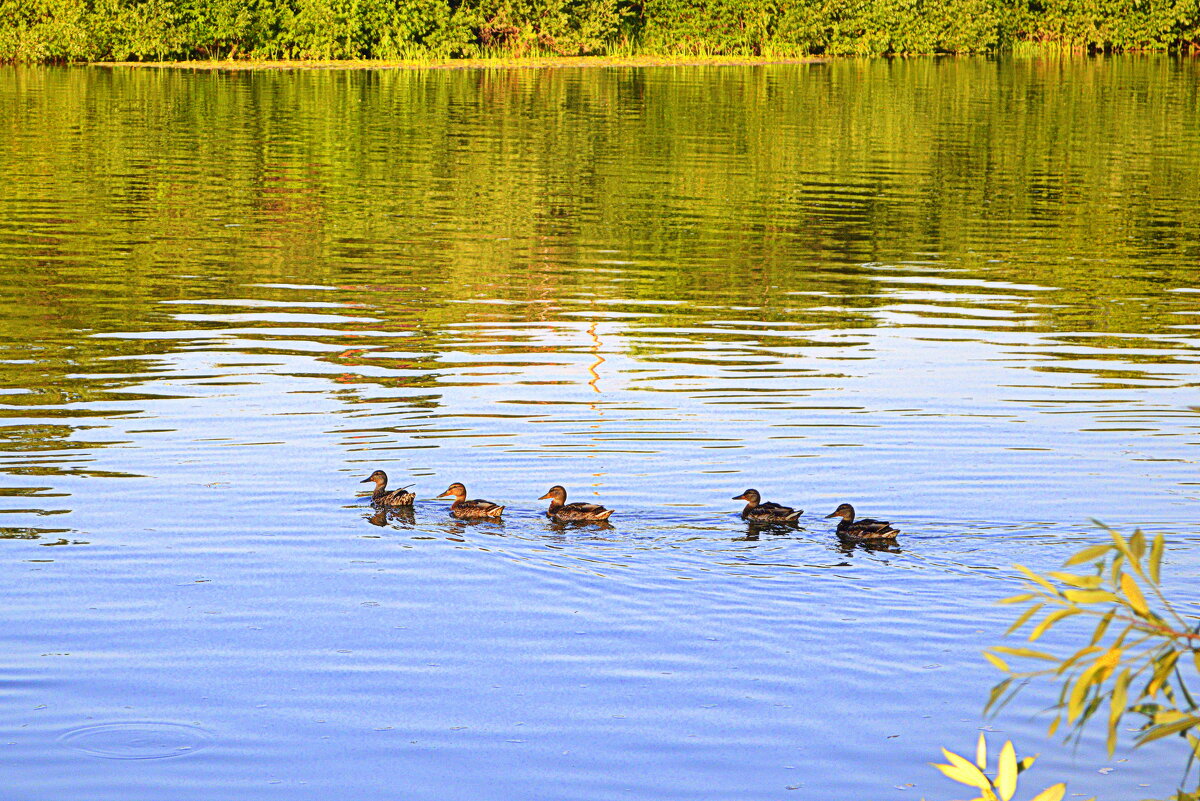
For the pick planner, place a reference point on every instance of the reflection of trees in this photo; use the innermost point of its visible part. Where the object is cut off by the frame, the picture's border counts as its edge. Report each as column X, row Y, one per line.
column 772, row 189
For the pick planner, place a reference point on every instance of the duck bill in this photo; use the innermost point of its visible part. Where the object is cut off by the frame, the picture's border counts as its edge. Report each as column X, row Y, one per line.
column 741, row 497
column 365, row 481
column 443, row 495
column 832, row 514
column 544, row 497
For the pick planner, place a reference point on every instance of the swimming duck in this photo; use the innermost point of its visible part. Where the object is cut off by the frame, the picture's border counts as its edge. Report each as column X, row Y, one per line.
column 765, row 512
column 464, row 509
column 562, row 512
column 381, row 497
column 850, row 529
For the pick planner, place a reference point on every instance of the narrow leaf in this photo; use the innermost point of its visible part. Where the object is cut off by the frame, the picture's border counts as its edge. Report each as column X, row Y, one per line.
column 1049, row 621
column 1036, row 579
column 963, row 772
column 981, row 752
column 1054, row 793
column 1120, row 699
column 1134, row 594
column 1165, row 730
column 1006, row 772
column 1137, row 544
column 1089, row 596
column 1023, row 618
column 997, row 662
column 1028, row 653
column 1089, row 554
column 1074, row 580
column 1156, row 555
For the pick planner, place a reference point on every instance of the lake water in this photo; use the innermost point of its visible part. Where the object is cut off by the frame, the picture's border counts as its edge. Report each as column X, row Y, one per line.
column 962, row 294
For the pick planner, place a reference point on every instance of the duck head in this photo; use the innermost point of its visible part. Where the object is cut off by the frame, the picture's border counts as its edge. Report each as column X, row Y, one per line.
column 458, row 491
column 845, row 511
column 750, row 496
column 379, row 477
column 555, row 493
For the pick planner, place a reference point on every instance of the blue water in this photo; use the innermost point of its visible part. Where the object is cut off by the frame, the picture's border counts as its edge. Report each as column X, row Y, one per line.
column 230, row 297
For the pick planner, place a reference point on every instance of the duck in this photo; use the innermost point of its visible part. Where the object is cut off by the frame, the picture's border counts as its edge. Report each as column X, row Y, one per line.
column 855, row 530
column 381, row 497
column 759, row 512
column 562, row 512
column 464, row 509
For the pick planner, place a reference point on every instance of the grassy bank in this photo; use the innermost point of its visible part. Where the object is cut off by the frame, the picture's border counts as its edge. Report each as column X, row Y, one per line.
column 432, row 30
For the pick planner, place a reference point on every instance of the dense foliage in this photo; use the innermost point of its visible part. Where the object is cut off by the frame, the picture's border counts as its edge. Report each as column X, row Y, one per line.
column 51, row 30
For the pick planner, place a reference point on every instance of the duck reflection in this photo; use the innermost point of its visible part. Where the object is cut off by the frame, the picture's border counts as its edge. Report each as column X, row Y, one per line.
column 848, row 547
column 561, row 528
column 402, row 515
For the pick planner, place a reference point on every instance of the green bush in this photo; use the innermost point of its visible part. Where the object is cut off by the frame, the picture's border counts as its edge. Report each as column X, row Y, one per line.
column 81, row 30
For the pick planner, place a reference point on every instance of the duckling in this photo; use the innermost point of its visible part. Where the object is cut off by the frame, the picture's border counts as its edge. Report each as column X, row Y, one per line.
column 562, row 512
column 464, row 509
column 765, row 512
column 850, row 529
column 381, row 497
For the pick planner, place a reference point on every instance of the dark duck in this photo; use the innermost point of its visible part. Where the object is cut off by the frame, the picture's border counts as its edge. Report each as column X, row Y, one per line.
column 853, row 530
column 562, row 512
column 381, row 496
column 759, row 512
column 469, row 510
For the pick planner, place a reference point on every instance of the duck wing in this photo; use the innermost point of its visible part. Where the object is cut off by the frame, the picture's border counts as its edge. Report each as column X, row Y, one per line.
column 869, row 530
column 583, row 508
column 397, row 498
column 772, row 511
column 580, row 511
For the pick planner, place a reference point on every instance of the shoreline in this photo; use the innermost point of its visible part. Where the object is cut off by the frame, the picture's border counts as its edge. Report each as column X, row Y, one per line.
column 555, row 62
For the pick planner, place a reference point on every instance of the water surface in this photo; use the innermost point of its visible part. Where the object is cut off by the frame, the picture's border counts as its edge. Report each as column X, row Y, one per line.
column 960, row 294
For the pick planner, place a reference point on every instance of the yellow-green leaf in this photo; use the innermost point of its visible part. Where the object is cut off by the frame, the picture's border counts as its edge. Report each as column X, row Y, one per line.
column 1018, row 599
column 997, row 662
column 1054, row 793
column 1023, row 618
column 1134, row 594
column 1158, row 732
column 1028, row 653
column 1075, row 580
column 1121, row 544
column 1089, row 554
column 1026, row 763
column 1089, row 596
column 1120, row 697
column 1156, row 555
column 981, row 752
column 1006, row 772
column 1137, row 544
column 1036, row 579
column 963, row 772
column 1049, row 621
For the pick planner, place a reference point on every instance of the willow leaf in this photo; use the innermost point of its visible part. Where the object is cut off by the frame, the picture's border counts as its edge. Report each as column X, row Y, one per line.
column 1054, row 793
column 1156, row 555
column 1049, row 621
column 997, row 662
column 1024, row 618
column 1167, row 729
column 1089, row 554
column 1006, row 772
column 1134, row 594
column 1089, row 596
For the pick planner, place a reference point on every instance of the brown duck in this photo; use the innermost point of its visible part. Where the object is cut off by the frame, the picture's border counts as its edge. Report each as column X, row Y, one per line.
column 466, row 510
column 858, row 530
column 562, row 512
column 381, row 496
column 760, row 512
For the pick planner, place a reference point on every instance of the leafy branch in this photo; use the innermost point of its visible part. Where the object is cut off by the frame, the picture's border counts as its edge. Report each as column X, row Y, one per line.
column 1004, row 786
column 1136, row 658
